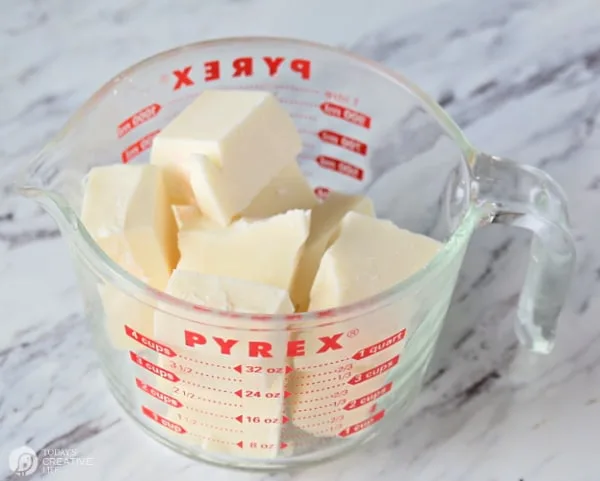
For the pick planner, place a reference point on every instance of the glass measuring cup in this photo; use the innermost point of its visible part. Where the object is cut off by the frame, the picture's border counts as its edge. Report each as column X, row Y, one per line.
column 275, row 391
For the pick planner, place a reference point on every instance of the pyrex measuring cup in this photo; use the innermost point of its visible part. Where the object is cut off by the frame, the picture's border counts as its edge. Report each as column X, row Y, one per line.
column 274, row 391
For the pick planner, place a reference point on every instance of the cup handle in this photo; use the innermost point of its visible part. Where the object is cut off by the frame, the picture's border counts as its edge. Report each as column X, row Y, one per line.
column 524, row 196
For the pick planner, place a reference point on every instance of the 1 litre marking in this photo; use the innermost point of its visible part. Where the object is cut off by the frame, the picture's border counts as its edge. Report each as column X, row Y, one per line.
column 149, row 343
column 379, row 346
column 137, row 119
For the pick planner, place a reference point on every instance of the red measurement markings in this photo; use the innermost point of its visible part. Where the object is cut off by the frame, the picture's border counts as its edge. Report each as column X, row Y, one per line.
column 192, row 421
column 195, row 396
column 163, row 421
column 310, row 118
column 140, row 146
column 258, row 86
column 207, row 413
column 299, row 103
column 312, row 400
column 204, row 363
column 325, row 373
column 137, row 119
column 149, row 343
column 312, row 409
column 208, row 388
column 340, row 97
column 374, row 372
column 212, row 440
column 316, row 425
column 355, row 428
column 261, row 420
column 344, row 113
column 295, row 88
column 247, row 393
column 258, row 445
column 153, row 368
column 262, row 370
column 361, row 401
column 322, row 192
column 311, row 391
column 314, row 416
column 348, row 143
column 325, row 364
column 155, row 393
column 380, row 346
column 178, row 367
column 339, row 377
column 340, row 166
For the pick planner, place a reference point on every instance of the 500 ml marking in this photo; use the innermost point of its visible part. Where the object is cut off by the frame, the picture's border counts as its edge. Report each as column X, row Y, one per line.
column 348, row 143
column 368, row 398
column 138, row 147
column 155, row 393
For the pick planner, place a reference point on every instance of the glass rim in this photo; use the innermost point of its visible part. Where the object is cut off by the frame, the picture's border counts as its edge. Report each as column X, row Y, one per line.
column 113, row 273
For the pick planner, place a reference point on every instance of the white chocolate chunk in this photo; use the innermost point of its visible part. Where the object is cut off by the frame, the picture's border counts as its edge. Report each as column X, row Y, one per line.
column 224, row 149
column 288, row 190
column 365, row 207
column 228, row 294
column 261, row 251
column 324, row 227
column 125, row 210
column 189, row 217
column 368, row 256
column 216, row 372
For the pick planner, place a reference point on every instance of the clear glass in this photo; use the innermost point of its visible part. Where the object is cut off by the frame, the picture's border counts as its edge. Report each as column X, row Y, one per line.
column 276, row 391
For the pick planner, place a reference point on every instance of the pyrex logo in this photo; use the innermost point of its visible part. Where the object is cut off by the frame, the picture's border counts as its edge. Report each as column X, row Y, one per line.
column 294, row 348
column 212, row 70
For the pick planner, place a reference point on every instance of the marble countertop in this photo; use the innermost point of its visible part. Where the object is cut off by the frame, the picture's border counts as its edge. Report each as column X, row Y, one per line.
column 521, row 76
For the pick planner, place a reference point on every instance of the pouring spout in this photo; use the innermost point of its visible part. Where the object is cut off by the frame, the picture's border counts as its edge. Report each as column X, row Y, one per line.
column 46, row 181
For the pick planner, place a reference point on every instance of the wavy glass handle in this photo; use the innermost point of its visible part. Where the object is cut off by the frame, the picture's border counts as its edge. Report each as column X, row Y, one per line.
column 527, row 197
